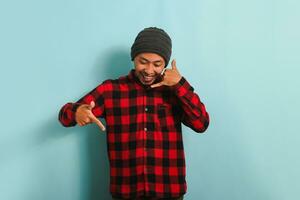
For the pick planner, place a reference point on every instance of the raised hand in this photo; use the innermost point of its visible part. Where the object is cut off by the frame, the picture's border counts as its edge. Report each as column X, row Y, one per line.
column 170, row 76
column 84, row 116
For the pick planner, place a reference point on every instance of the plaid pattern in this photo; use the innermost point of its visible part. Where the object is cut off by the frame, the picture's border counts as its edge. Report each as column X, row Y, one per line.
column 149, row 198
column 144, row 135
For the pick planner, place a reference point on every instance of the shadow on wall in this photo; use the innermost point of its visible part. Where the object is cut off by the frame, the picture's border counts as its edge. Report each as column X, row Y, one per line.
column 93, row 159
column 117, row 63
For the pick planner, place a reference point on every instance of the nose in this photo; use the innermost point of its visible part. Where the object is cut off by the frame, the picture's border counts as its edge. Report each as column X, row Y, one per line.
column 149, row 69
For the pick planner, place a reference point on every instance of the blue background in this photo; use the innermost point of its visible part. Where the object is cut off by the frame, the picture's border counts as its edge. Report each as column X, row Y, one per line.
column 242, row 57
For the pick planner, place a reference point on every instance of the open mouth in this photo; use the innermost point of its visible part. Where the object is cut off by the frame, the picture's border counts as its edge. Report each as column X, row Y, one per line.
column 148, row 79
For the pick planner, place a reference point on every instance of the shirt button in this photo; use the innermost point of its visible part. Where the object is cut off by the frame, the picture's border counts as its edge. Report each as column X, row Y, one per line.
column 145, row 129
column 146, row 109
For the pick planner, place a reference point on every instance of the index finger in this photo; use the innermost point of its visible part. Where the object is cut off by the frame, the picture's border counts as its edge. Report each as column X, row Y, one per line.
column 98, row 122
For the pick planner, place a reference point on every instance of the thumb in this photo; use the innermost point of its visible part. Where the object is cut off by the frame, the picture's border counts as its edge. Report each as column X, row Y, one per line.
column 174, row 67
column 92, row 105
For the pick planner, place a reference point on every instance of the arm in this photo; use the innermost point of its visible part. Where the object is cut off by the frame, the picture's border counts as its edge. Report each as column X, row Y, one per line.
column 67, row 114
column 194, row 112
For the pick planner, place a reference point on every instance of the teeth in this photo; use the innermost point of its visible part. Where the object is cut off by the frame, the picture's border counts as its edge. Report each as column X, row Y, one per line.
column 148, row 78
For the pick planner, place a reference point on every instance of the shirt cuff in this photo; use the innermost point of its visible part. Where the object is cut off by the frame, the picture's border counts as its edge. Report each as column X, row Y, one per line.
column 75, row 106
column 182, row 87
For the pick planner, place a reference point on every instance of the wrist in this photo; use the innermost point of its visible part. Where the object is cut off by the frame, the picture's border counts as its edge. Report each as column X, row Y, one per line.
column 178, row 79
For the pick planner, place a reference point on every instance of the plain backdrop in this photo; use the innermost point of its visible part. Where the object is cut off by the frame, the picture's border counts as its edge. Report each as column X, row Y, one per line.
column 242, row 58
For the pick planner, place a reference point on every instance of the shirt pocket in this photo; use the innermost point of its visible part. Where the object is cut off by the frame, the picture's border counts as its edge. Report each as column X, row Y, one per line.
column 165, row 116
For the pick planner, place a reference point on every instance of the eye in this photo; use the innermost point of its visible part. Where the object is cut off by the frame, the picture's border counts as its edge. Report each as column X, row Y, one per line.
column 143, row 62
column 157, row 64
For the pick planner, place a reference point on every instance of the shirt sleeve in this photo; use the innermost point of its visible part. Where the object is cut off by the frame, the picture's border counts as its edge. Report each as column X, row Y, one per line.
column 66, row 114
column 194, row 115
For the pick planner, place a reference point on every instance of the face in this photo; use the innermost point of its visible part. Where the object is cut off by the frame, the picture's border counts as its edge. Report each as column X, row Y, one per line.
column 148, row 67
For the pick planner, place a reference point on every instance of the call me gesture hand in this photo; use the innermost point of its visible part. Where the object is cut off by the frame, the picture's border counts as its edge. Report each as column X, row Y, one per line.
column 84, row 116
column 170, row 76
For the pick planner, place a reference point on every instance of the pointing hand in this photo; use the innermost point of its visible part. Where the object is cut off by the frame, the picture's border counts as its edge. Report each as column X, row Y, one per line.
column 84, row 116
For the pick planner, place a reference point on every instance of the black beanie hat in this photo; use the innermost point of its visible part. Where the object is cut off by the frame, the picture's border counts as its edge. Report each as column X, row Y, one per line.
column 152, row 40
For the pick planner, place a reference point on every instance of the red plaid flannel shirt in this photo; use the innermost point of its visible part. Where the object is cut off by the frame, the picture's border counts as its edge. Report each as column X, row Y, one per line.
column 144, row 134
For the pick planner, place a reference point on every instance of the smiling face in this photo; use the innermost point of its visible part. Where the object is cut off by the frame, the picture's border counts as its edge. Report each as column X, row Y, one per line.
column 148, row 67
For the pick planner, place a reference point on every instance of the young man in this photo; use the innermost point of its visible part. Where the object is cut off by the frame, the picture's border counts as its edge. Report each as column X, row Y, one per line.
column 143, row 112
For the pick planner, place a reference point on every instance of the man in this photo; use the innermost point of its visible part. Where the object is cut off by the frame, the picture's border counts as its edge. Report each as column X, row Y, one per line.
column 143, row 112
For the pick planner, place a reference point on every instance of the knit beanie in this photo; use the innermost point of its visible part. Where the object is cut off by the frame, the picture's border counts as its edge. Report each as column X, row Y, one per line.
column 152, row 40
